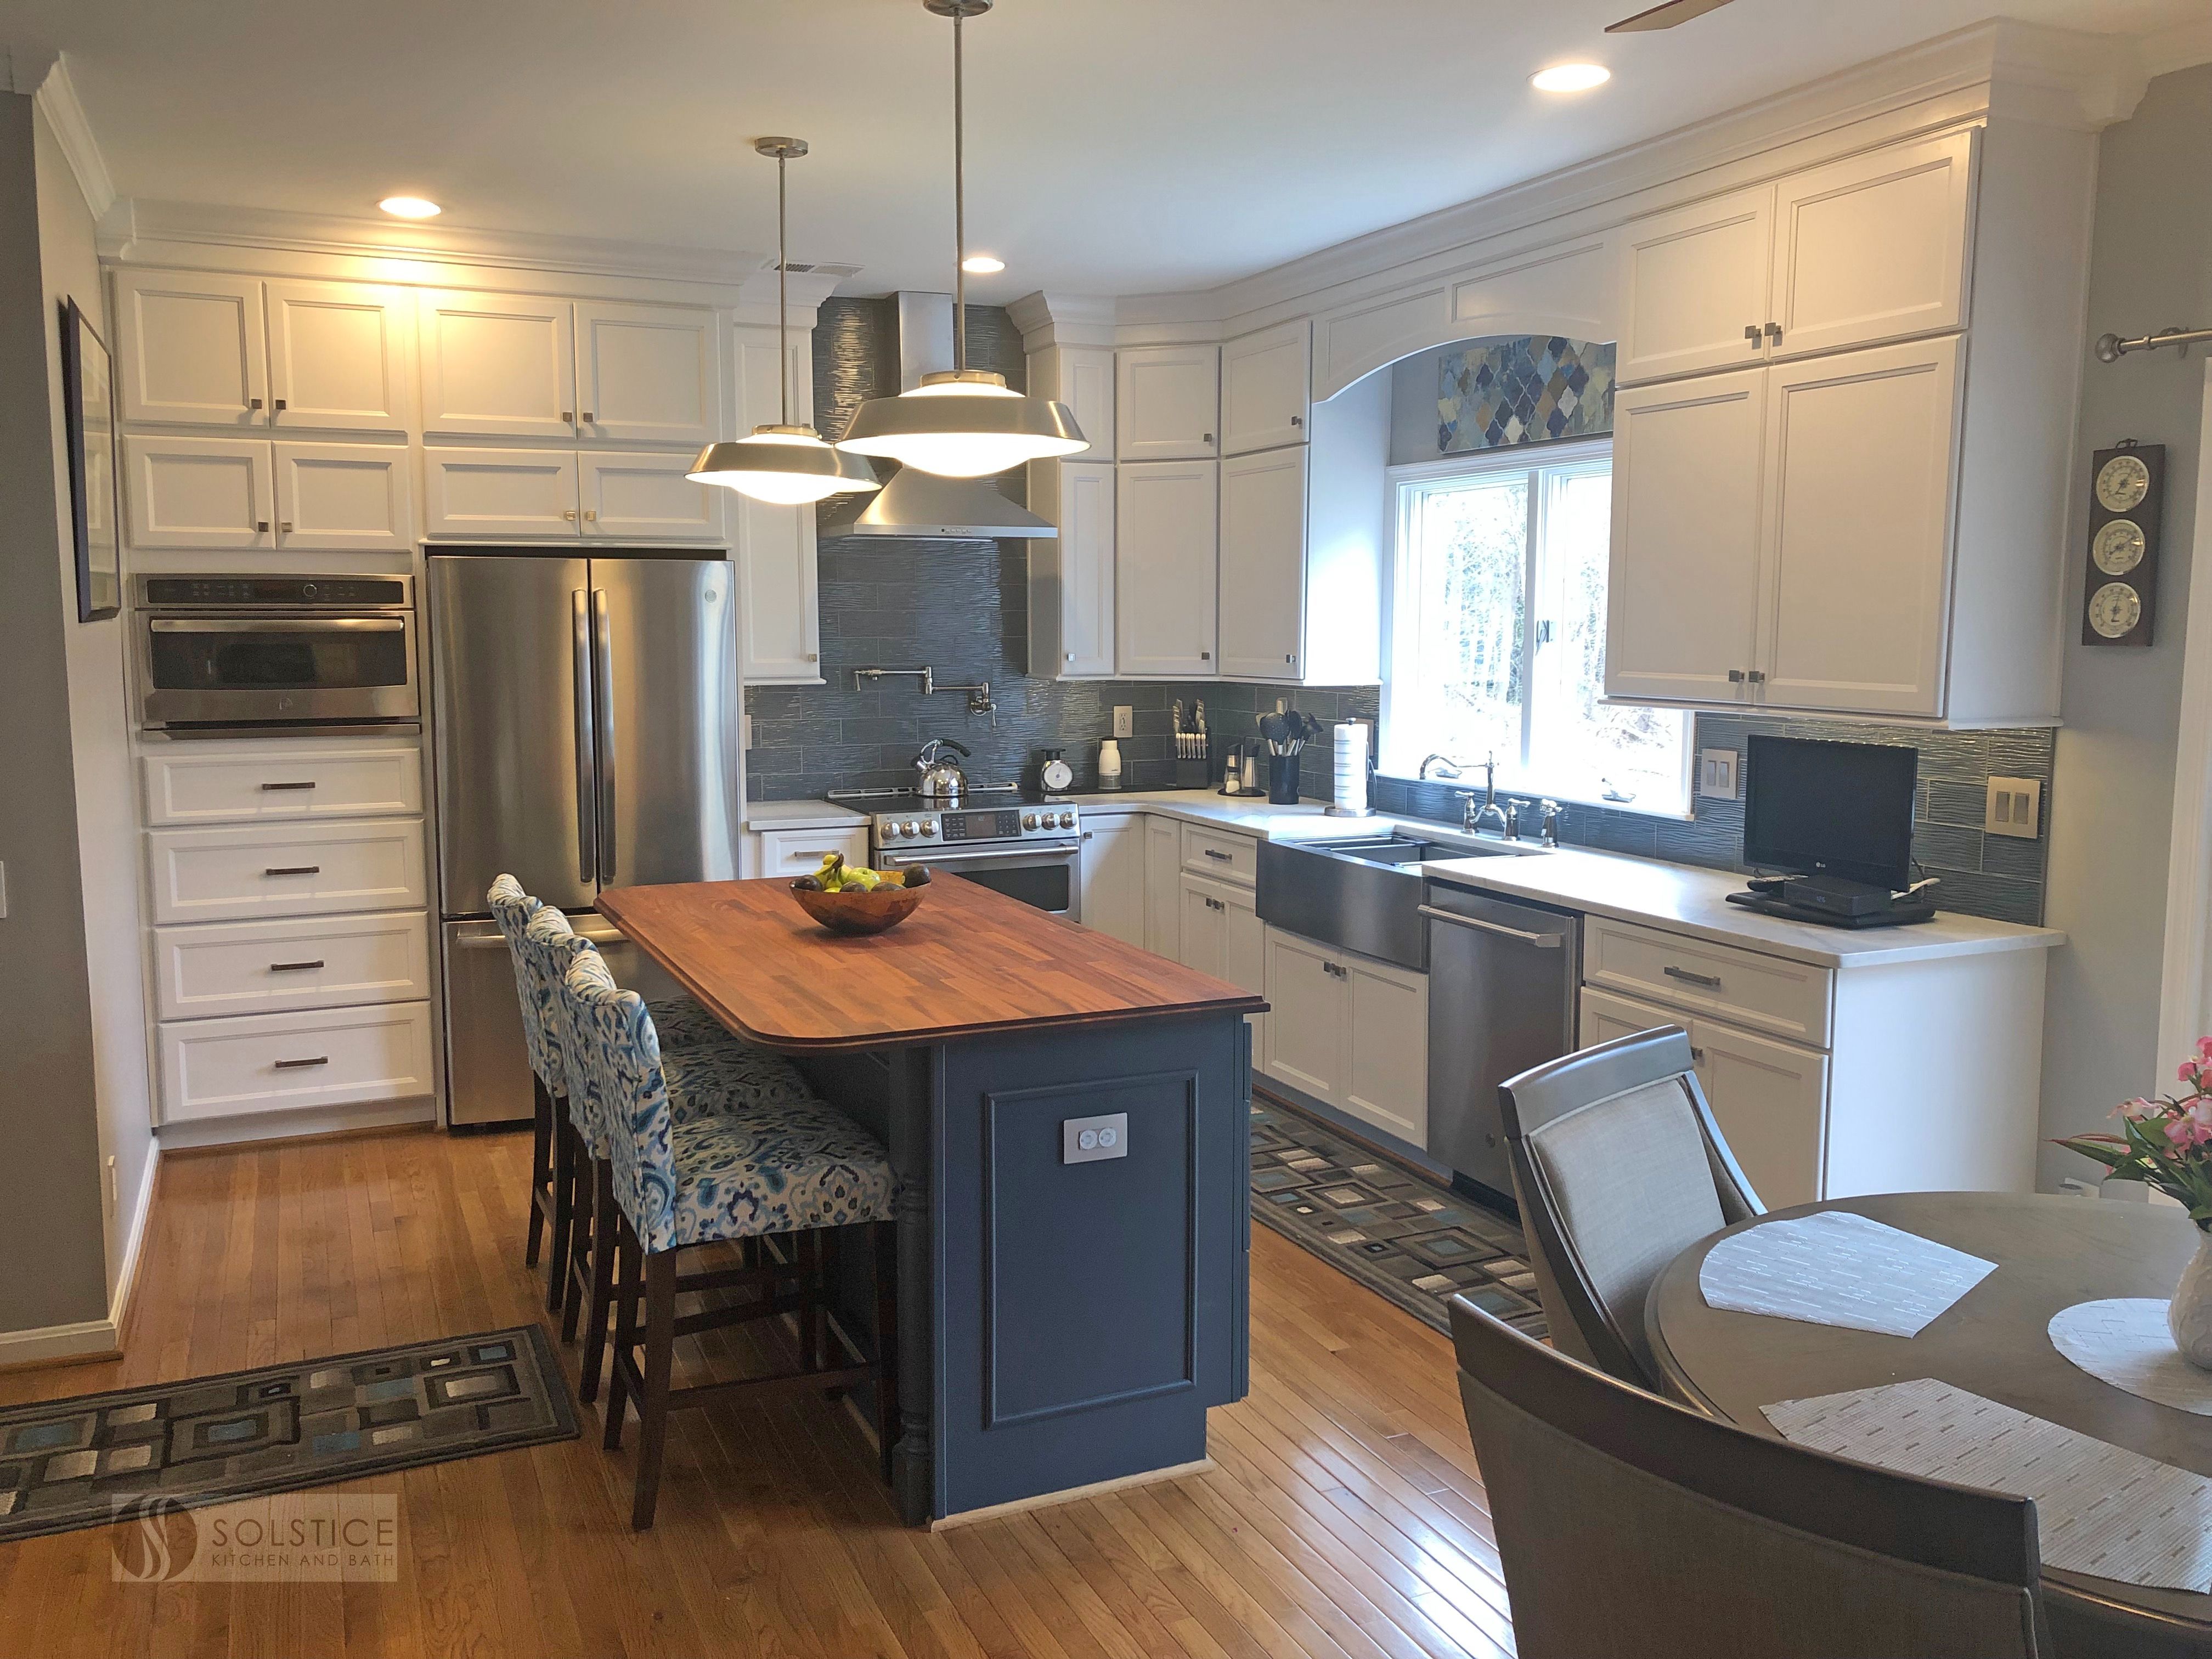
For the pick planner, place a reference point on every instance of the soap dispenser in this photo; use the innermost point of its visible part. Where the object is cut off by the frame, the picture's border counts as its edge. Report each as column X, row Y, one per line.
column 1109, row 764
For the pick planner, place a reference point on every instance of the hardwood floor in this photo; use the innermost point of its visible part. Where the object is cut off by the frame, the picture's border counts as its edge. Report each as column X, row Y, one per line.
column 1346, row 1516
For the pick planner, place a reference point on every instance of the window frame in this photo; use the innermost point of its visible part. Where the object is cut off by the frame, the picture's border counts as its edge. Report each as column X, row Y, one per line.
column 1405, row 482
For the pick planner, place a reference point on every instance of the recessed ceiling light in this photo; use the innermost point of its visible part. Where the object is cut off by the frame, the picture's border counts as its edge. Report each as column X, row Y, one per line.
column 982, row 264
column 1570, row 77
column 410, row 207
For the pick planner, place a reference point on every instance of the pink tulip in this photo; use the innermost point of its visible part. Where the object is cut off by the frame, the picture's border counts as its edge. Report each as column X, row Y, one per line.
column 2204, row 1047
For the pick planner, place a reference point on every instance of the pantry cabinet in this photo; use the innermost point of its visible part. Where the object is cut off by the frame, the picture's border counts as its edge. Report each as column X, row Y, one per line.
column 1263, row 557
column 1167, row 403
column 1071, row 575
column 1267, row 381
column 1692, row 287
column 779, row 621
column 1166, row 563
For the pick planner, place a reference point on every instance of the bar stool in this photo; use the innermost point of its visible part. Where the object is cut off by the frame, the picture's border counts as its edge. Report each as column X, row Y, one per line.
column 797, row 1169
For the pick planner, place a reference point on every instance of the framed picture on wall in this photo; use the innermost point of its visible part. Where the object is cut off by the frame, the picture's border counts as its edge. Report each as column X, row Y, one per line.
column 88, row 396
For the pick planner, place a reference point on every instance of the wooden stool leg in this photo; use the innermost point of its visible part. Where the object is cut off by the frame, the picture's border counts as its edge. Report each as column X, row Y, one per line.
column 660, row 1361
column 628, row 1283
column 564, row 1220
column 886, row 1271
column 604, row 1223
column 806, row 1258
column 541, row 1166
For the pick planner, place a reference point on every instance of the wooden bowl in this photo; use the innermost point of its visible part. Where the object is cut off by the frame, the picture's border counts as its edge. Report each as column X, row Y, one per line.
column 854, row 912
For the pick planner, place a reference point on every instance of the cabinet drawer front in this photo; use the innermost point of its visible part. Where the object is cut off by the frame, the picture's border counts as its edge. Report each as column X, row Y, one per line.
column 1763, row 992
column 800, row 852
column 298, row 870
column 1225, row 857
column 269, row 966
column 194, row 786
column 278, row 1063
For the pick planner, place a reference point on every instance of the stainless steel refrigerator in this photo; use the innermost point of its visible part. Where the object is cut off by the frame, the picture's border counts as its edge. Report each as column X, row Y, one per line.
column 585, row 719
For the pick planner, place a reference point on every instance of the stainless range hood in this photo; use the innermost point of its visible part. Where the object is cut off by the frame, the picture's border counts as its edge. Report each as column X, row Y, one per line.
column 920, row 506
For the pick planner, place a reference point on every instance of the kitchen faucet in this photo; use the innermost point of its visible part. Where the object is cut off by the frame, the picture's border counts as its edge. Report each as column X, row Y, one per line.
column 1445, row 765
column 1490, row 815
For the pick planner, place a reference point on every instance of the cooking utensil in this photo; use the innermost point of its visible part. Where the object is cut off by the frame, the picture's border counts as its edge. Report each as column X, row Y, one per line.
column 942, row 783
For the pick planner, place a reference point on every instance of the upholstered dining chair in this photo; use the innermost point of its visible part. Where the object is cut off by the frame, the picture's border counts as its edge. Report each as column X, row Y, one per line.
column 1629, row 1524
column 1618, row 1167
column 797, row 1171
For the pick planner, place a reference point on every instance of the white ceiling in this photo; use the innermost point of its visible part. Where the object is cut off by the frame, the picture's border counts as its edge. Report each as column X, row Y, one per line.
column 1115, row 146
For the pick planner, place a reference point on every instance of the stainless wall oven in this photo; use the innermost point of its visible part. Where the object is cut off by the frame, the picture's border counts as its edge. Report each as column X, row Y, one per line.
column 224, row 654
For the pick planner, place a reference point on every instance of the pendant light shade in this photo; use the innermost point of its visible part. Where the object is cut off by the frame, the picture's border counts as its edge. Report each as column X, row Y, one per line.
column 787, row 465
column 967, row 423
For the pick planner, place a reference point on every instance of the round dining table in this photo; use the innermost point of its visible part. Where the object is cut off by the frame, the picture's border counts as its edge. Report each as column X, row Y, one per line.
column 2051, row 1252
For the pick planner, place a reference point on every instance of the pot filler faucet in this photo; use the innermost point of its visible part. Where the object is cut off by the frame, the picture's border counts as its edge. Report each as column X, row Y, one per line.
column 1490, row 816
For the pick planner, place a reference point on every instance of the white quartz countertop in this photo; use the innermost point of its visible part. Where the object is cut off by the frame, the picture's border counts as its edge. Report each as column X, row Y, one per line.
column 1678, row 897
column 800, row 815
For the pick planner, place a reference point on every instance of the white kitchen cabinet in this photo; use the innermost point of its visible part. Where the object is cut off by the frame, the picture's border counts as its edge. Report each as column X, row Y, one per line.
column 317, row 1057
column 1605, row 1017
column 644, row 496
column 1263, row 564
column 199, row 493
column 1223, row 936
column 1167, row 558
column 500, row 364
column 779, row 619
column 1071, row 575
column 1082, row 377
column 1113, row 875
column 1267, row 382
column 1692, row 287
column 221, row 781
column 230, row 969
column 1770, row 1101
column 1386, row 1064
column 340, row 357
column 499, row 492
column 1162, row 887
column 800, row 851
column 191, row 349
column 1856, row 529
column 344, row 497
column 239, row 872
column 1167, row 403
column 1308, row 1016
column 648, row 373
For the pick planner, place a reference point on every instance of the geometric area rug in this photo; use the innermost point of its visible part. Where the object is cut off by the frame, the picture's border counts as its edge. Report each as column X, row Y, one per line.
column 74, row 1462
column 1405, row 1237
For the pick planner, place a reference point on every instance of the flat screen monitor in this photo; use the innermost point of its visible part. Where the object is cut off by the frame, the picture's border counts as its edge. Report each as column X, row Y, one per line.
column 1835, row 809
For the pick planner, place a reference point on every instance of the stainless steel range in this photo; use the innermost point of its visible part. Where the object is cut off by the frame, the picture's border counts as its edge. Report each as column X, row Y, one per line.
column 1027, row 853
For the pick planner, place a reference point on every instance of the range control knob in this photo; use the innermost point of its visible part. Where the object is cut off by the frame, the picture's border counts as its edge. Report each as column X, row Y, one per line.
column 890, row 829
column 912, row 828
column 928, row 829
column 1067, row 820
column 1028, row 820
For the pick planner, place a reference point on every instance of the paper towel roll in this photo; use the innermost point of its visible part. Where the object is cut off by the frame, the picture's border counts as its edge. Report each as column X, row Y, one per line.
column 1351, row 791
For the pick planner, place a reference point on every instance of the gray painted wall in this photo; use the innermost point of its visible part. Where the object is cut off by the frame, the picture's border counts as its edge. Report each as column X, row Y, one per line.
column 2112, row 815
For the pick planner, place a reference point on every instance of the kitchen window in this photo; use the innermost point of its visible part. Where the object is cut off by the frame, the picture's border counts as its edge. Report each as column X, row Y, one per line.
column 1498, row 635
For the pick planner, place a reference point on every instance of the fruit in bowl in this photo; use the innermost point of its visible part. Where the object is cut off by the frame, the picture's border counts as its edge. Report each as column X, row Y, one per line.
column 853, row 899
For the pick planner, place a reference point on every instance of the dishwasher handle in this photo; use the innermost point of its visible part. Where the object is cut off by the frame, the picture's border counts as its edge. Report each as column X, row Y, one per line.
column 1541, row 941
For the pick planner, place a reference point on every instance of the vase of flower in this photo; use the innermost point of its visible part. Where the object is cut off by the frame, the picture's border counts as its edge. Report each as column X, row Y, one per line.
column 2166, row 1143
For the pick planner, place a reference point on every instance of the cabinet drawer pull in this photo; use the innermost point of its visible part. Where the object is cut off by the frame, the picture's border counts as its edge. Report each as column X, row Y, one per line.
column 301, row 1065
column 1216, row 853
column 293, row 967
column 272, row 788
column 293, row 870
column 1711, row 981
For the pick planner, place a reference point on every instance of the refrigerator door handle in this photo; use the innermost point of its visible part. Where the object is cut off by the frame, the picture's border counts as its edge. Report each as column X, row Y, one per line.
column 588, row 806
column 603, row 705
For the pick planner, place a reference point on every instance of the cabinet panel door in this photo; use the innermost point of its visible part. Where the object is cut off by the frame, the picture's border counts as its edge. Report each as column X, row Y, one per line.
column 498, row 364
column 1263, row 565
column 1166, row 561
column 1203, row 944
column 1872, row 247
column 198, row 492
column 1771, row 1101
column 646, row 497
column 780, row 620
column 1605, row 1018
column 1113, row 877
column 1071, row 574
column 191, row 349
column 1167, row 401
column 1244, row 960
column 264, row 1062
column 341, row 355
column 345, row 496
column 1308, row 1010
column 1162, row 887
column 500, row 492
column 1082, row 377
column 1681, row 604
column 1693, row 281
column 648, row 373
column 1267, row 381
column 1386, row 1071
column 1856, row 537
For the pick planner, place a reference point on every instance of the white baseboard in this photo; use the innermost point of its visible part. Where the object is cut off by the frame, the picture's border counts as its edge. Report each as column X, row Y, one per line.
column 50, row 1344
column 126, row 1274
column 289, row 1126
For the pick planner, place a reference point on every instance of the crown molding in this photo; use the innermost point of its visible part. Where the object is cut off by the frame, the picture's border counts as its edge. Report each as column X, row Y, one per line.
column 2183, row 46
column 1063, row 319
column 57, row 101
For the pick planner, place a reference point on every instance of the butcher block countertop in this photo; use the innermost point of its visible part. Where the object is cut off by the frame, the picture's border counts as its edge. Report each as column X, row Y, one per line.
column 968, row 961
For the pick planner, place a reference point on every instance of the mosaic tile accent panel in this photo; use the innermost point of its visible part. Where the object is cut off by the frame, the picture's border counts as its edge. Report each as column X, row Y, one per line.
column 1408, row 1240
column 1526, row 390
column 67, row 1463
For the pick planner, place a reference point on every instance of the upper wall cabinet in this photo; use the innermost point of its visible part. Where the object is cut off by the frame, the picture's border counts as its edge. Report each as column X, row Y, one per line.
column 1167, row 558
column 191, row 349
column 1082, row 377
column 500, row 364
column 1267, row 381
column 199, row 492
column 1868, row 249
column 644, row 496
column 340, row 357
column 1071, row 574
column 780, row 620
column 345, row 497
column 1168, row 403
column 648, row 373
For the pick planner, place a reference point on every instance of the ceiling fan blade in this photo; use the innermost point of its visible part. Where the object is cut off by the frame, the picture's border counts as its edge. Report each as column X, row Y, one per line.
column 1665, row 17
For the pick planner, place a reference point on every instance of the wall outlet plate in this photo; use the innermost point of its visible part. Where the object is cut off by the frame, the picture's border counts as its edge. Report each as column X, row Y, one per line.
column 1125, row 721
column 1719, row 773
column 2015, row 808
column 1088, row 1140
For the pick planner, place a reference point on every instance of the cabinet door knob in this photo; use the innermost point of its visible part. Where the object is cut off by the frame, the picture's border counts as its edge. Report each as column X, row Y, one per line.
column 1071, row 656
column 589, row 417
column 253, row 402
column 1203, row 656
column 1774, row 330
column 569, row 513
column 591, row 515
column 279, row 403
column 1735, row 676
column 1757, row 677
column 1298, row 420
column 261, row 526
column 284, row 526
column 1696, row 1056
column 1209, row 437
column 569, row 415
column 1751, row 332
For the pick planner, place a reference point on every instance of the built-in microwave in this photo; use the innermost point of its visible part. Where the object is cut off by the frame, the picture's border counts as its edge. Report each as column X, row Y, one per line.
column 271, row 654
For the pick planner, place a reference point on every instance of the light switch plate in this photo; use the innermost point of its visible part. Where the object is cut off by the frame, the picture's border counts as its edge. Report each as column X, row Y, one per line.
column 4, row 892
column 1088, row 1140
column 1718, row 770
column 2015, row 808
column 1125, row 719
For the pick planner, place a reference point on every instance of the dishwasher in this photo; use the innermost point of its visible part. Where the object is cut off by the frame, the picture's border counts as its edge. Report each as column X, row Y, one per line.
column 1504, row 979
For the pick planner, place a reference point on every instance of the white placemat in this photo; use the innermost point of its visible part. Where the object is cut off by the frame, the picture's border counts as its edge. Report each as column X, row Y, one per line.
column 2125, row 1342
column 1839, row 1268
column 2100, row 1509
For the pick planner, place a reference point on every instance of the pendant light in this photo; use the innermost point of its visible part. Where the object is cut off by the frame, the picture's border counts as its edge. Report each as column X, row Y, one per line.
column 966, row 422
column 784, row 464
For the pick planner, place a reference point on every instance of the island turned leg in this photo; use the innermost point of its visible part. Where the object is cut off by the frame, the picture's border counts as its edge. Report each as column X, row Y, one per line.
column 912, row 1084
